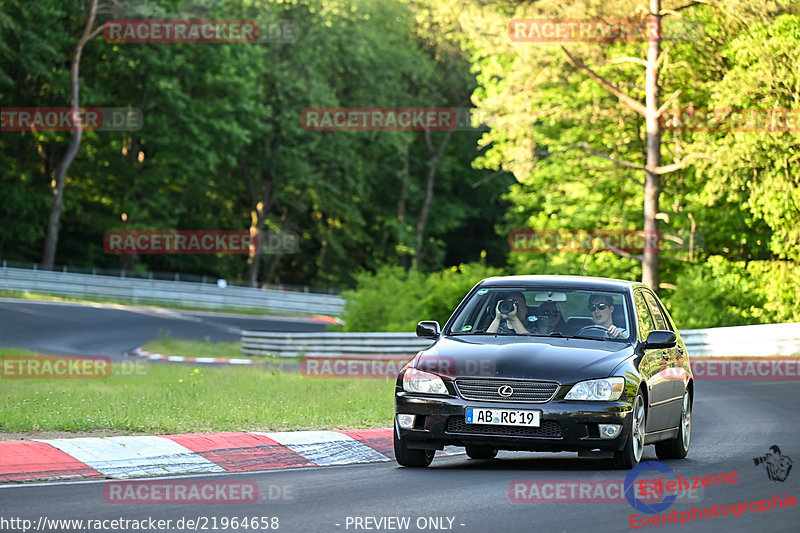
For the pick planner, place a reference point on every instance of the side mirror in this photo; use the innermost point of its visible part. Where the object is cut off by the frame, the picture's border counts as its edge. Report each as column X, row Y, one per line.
column 660, row 338
column 428, row 329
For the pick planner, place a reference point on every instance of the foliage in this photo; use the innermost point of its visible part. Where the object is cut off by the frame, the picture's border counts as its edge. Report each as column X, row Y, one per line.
column 393, row 299
column 713, row 293
column 222, row 147
column 222, row 123
column 725, row 293
column 761, row 171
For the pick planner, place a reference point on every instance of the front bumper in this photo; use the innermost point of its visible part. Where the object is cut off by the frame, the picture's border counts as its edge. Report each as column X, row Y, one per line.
column 564, row 425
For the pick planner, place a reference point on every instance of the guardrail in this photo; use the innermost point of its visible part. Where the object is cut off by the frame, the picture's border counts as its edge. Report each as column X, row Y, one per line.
column 761, row 340
column 330, row 344
column 758, row 340
column 176, row 292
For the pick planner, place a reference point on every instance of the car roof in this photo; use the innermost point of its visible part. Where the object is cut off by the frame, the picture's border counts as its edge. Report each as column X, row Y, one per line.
column 572, row 282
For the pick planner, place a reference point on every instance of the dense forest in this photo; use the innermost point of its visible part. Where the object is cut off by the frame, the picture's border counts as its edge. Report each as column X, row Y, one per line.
column 563, row 136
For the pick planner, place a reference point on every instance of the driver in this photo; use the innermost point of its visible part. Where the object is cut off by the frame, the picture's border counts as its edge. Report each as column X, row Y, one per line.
column 602, row 308
column 511, row 323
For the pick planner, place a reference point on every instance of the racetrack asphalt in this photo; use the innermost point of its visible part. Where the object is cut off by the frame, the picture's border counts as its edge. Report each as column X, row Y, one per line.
column 61, row 328
column 734, row 422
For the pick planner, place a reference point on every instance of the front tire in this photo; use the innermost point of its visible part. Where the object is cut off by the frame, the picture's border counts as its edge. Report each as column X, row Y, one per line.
column 480, row 452
column 631, row 454
column 678, row 447
column 411, row 458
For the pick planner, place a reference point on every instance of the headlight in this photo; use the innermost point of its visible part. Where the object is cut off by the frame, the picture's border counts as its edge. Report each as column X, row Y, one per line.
column 418, row 381
column 597, row 389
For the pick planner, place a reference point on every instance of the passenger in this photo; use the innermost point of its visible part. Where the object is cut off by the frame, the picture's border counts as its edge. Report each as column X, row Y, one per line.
column 512, row 322
column 602, row 308
column 556, row 319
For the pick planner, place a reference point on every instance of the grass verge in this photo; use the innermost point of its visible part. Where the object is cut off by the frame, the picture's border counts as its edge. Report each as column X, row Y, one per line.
column 168, row 346
column 139, row 397
column 224, row 350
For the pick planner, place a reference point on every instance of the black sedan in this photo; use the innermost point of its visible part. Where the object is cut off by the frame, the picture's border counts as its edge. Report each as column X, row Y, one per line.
column 548, row 363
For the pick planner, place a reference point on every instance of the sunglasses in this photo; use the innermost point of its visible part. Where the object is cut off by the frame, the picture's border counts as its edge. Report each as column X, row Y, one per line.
column 598, row 306
column 549, row 313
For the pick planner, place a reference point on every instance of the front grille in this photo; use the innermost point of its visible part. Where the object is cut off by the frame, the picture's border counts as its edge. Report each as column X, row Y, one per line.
column 524, row 391
column 548, row 429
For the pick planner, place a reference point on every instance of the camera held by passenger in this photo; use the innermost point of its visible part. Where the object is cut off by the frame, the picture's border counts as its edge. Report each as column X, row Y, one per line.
column 507, row 306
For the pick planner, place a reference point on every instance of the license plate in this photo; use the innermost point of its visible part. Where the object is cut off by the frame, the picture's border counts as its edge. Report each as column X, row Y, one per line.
column 503, row 417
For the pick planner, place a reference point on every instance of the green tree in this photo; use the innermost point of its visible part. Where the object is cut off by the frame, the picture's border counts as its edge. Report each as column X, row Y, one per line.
column 759, row 170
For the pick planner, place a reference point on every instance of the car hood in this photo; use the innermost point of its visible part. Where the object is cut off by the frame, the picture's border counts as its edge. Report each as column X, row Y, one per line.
column 552, row 359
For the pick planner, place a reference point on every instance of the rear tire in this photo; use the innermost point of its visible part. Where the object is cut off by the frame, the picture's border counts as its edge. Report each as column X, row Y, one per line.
column 678, row 447
column 481, row 452
column 631, row 454
column 412, row 458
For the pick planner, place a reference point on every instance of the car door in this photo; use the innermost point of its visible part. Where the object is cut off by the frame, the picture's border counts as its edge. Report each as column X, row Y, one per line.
column 674, row 360
column 682, row 365
column 653, row 367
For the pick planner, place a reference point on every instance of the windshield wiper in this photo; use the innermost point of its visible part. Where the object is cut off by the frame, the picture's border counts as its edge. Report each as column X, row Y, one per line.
column 619, row 339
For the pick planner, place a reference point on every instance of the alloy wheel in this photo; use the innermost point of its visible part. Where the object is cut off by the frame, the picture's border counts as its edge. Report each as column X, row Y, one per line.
column 686, row 421
column 638, row 428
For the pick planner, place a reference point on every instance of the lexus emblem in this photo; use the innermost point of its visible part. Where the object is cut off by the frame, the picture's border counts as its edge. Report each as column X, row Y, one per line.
column 505, row 391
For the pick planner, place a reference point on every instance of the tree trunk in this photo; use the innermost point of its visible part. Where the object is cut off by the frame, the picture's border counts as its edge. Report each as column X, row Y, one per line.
column 652, row 181
column 51, row 240
column 433, row 163
column 262, row 197
column 258, row 215
column 401, row 201
column 651, row 112
column 286, row 223
column 401, row 206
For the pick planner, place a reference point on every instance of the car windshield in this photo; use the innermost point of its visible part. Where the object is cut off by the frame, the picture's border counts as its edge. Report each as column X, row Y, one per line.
column 547, row 311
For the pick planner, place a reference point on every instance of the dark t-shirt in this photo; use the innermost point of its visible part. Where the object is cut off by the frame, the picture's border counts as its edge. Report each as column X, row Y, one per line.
column 505, row 329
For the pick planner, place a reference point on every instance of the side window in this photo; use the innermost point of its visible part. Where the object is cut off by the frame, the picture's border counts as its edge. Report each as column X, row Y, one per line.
column 667, row 318
column 620, row 313
column 655, row 309
column 646, row 324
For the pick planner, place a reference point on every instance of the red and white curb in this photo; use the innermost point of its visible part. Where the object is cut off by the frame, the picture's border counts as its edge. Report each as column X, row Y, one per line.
column 325, row 319
column 197, row 453
column 138, row 352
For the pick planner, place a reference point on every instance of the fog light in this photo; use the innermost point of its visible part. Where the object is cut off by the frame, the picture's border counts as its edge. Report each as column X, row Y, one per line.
column 609, row 431
column 406, row 421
